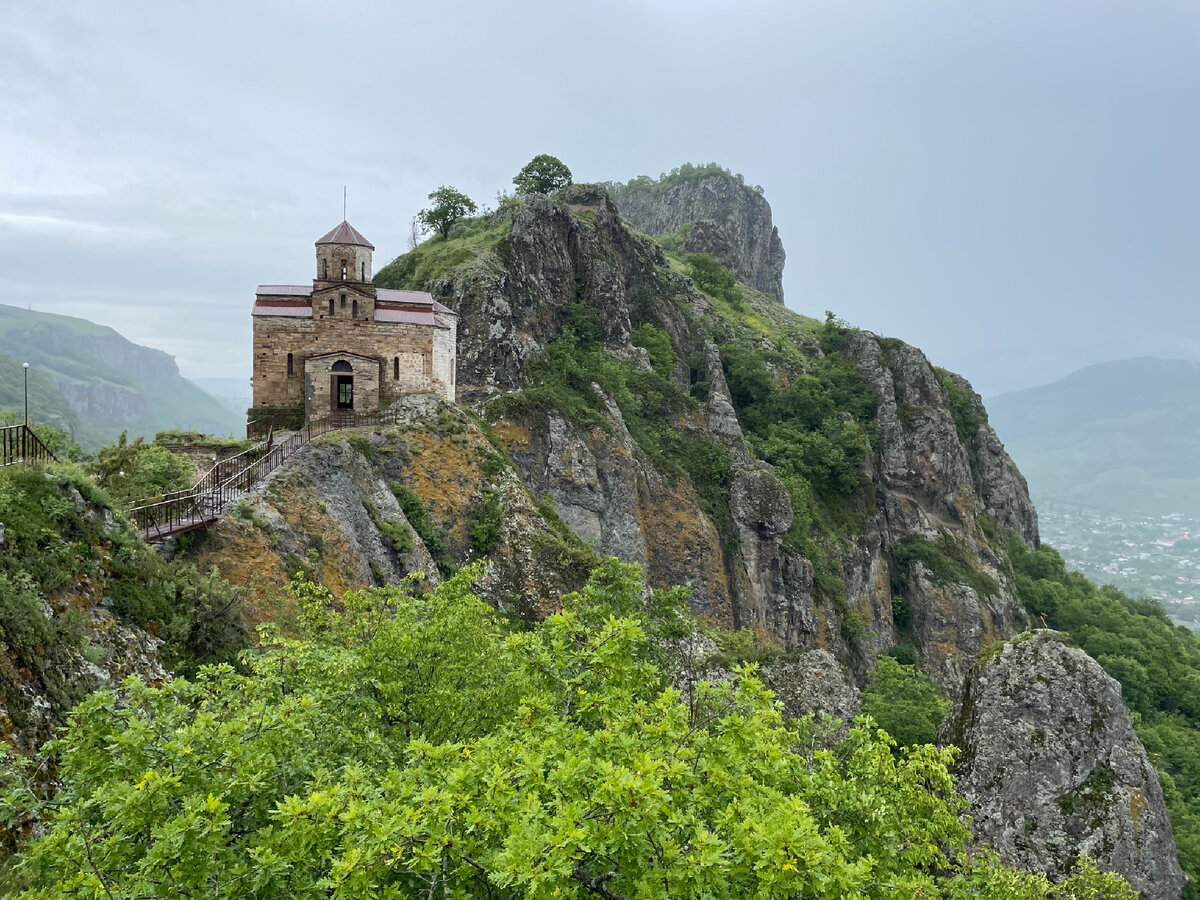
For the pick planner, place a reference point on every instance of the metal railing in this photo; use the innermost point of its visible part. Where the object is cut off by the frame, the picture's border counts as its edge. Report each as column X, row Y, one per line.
column 200, row 505
column 19, row 444
column 275, row 420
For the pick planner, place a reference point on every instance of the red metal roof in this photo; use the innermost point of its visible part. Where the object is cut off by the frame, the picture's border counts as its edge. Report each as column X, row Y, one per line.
column 388, row 295
column 412, row 298
column 345, row 234
column 284, row 290
column 290, row 310
column 408, row 316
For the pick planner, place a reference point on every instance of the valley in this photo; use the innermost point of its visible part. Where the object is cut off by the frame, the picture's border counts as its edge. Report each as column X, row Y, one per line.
column 1143, row 556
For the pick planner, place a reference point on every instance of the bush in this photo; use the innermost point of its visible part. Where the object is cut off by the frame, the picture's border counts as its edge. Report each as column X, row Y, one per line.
column 657, row 344
column 486, row 513
column 905, row 703
column 949, row 561
column 398, row 535
column 433, row 538
column 714, row 279
column 136, row 471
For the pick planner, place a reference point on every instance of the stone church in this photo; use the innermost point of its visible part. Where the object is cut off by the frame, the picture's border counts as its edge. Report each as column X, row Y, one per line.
column 342, row 344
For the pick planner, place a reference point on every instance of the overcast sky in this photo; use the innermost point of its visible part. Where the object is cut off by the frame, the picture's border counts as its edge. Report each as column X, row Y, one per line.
column 1012, row 186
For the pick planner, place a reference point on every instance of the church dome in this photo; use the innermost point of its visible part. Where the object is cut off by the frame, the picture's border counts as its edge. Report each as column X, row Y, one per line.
column 347, row 235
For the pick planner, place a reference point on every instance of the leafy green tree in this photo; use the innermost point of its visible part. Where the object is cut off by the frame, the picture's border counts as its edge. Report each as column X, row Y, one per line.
column 406, row 747
column 543, row 174
column 132, row 471
column 449, row 205
column 713, row 278
column 905, row 703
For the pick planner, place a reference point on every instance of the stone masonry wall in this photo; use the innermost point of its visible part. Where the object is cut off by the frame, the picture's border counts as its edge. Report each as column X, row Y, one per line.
column 445, row 357
column 411, row 345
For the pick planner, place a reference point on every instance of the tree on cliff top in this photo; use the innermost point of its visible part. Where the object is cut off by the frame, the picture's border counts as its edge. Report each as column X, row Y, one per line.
column 449, row 205
column 543, row 174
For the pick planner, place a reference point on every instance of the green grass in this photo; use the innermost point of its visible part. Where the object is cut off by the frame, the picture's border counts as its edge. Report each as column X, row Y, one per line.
column 948, row 559
column 437, row 258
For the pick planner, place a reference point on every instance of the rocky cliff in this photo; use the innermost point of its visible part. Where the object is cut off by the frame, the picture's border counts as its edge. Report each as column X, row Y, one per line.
column 1053, row 771
column 647, row 455
column 713, row 211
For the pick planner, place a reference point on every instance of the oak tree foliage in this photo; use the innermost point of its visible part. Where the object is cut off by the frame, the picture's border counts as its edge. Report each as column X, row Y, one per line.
column 411, row 746
column 543, row 174
column 448, row 205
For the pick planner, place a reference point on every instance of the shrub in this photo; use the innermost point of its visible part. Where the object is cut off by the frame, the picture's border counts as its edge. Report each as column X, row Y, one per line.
column 905, row 703
column 432, row 537
column 714, row 279
column 486, row 514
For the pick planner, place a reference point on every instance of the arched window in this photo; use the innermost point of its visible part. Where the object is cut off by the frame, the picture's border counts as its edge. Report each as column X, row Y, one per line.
column 331, row 306
column 343, row 301
column 364, row 272
column 354, row 310
column 343, row 270
column 324, row 268
column 289, row 365
column 341, row 366
column 395, row 368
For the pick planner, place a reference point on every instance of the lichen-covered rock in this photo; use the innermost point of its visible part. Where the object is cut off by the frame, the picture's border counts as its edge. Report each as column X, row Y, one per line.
column 1052, row 770
column 762, row 513
column 930, row 491
column 592, row 476
column 334, row 510
column 1002, row 487
column 729, row 221
column 813, row 683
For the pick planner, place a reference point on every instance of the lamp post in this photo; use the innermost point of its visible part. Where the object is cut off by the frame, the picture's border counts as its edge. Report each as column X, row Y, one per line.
column 26, row 367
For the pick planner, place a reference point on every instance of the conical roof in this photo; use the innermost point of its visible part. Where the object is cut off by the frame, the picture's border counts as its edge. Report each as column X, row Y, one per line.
column 345, row 234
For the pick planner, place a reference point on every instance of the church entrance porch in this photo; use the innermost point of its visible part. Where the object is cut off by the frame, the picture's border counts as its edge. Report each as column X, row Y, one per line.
column 340, row 382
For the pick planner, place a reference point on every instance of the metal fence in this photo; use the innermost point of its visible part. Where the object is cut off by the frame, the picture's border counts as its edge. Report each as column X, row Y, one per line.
column 200, row 505
column 18, row 444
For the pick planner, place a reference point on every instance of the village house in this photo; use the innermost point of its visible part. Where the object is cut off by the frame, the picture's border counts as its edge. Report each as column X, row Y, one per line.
column 343, row 344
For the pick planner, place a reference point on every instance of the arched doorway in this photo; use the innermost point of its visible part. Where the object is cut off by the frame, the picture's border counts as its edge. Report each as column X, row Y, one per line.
column 341, row 388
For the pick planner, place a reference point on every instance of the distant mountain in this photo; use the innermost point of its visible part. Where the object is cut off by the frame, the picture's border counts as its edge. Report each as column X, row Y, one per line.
column 107, row 383
column 46, row 404
column 235, row 394
column 1120, row 436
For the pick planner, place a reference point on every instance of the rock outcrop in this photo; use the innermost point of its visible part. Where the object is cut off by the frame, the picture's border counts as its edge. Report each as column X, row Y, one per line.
column 723, row 217
column 938, row 473
column 341, row 511
column 1052, row 770
column 813, row 683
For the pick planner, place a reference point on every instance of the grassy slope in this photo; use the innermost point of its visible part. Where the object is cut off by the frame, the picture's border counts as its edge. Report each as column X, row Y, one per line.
column 1119, row 436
